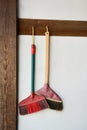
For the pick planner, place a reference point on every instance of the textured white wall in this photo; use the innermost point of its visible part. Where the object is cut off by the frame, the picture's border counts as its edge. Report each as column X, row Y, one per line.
column 53, row 9
column 68, row 71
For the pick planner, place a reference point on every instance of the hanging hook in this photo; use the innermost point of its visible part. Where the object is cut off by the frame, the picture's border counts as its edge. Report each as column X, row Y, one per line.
column 46, row 28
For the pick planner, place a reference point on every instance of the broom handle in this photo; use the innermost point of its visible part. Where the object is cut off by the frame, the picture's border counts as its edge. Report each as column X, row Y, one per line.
column 32, row 69
column 33, row 51
column 47, row 58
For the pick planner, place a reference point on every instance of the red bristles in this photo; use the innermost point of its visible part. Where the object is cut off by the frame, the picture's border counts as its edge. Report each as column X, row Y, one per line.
column 31, row 105
column 34, row 107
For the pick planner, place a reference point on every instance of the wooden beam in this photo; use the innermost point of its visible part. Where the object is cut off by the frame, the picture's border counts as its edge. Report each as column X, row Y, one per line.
column 8, row 62
column 56, row 27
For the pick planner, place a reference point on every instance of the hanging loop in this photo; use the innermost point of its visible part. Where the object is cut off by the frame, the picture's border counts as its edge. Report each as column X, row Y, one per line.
column 32, row 34
column 32, row 30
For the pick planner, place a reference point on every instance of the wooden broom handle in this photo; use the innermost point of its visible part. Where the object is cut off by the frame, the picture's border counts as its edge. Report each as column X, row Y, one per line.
column 47, row 57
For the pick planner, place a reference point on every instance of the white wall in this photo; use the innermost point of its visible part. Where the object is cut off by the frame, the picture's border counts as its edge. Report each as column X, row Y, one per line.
column 68, row 71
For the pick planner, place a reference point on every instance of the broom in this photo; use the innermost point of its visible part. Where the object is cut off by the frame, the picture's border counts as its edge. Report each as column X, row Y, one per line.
column 33, row 103
column 55, row 102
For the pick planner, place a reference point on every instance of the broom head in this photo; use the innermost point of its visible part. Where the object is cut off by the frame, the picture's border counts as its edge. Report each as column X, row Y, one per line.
column 53, row 99
column 31, row 105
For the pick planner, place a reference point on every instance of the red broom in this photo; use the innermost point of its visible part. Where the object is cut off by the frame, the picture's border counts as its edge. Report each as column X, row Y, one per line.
column 33, row 103
column 53, row 99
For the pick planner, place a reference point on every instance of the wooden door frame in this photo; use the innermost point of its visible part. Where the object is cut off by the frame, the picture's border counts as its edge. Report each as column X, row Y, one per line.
column 8, row 65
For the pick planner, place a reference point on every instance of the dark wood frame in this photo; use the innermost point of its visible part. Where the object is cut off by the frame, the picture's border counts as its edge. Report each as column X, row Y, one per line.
column 8, row 65
column 9, row 56
column 56, row 27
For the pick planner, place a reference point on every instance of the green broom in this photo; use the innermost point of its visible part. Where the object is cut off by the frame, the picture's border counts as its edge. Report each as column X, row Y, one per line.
column 53, row 99
column 34, row 102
